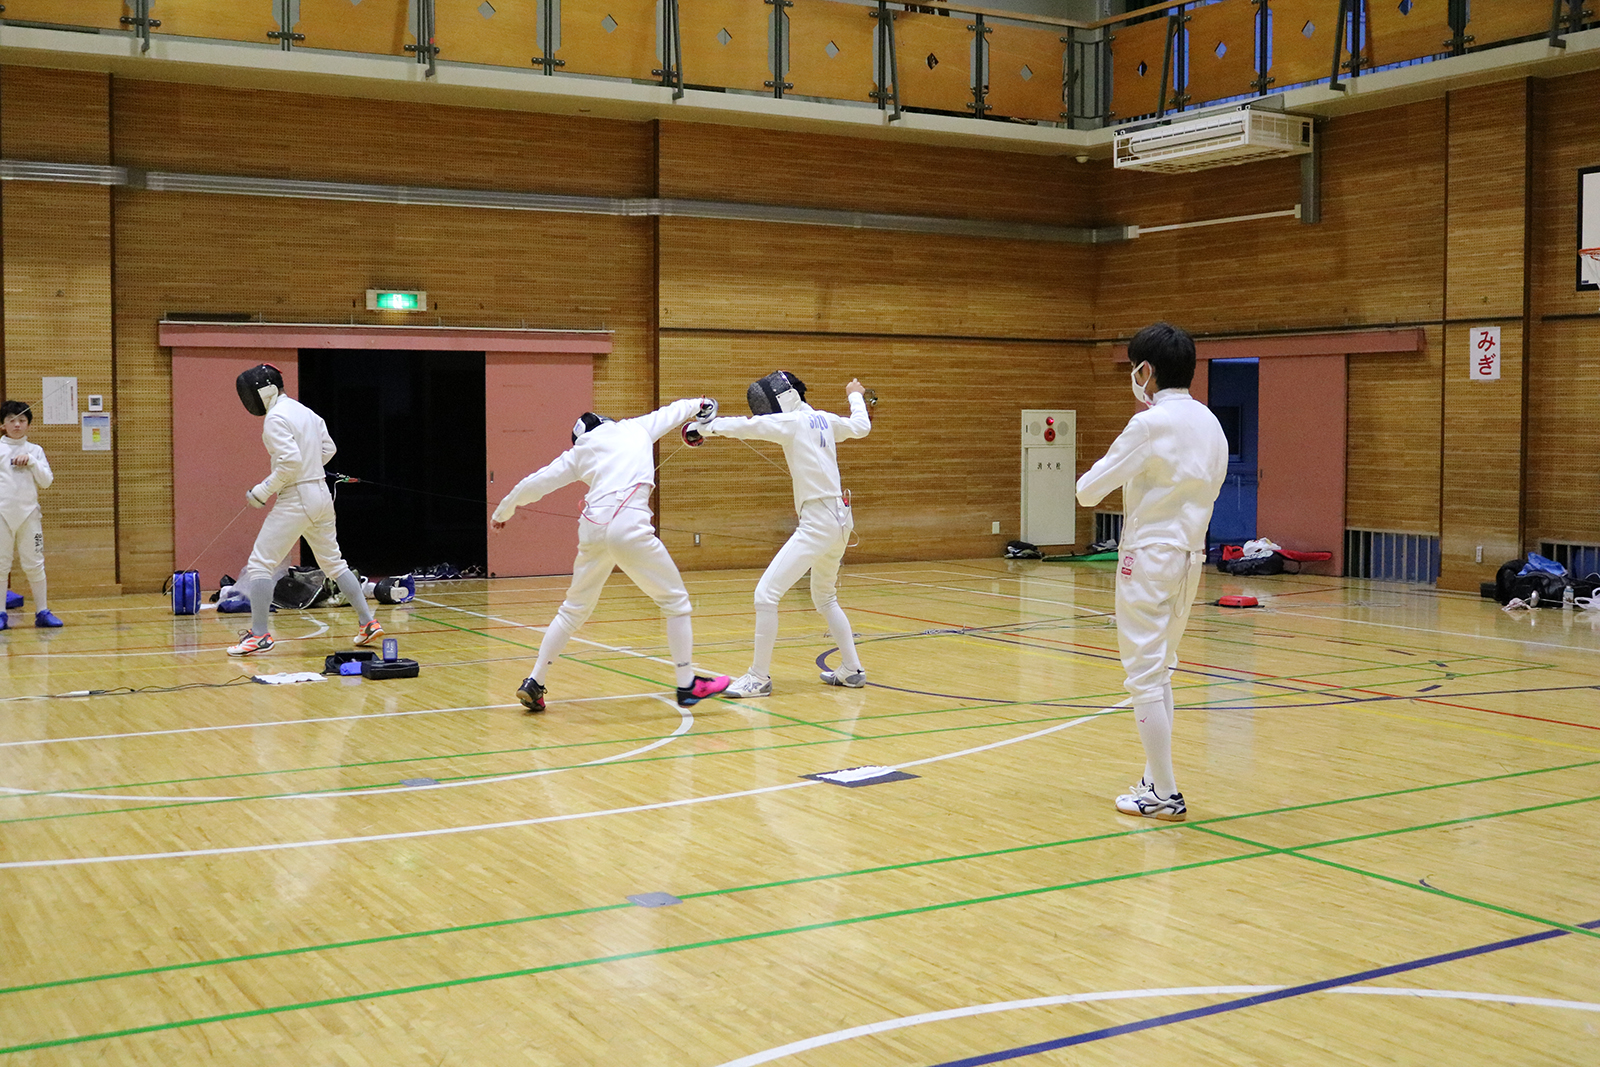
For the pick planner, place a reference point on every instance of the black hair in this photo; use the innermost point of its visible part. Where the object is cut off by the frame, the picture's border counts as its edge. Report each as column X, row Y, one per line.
column 1170, row 352
column 16, row 407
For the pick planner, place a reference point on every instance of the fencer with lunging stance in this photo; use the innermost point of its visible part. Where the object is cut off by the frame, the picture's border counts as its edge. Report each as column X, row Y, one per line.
column 23, row 472
column 297, row 441
column 1170, row 462
column 809, row 438
column 616, row 461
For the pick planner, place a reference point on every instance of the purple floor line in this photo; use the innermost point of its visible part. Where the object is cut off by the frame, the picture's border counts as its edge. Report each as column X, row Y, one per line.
column 1256, row 999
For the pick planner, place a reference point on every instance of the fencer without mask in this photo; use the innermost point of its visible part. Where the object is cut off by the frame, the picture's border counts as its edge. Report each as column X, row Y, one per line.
column 586, row 422
column 778, row 391
column 1141, row 393
column 259, row 387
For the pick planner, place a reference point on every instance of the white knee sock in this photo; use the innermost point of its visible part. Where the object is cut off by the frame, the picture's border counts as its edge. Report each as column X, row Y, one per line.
column 41, row 597
column 352, row 592
column 680, row 641
column 839, row 627
column 766, row 638
column 556, row 637
column 1166, row 701
column 260, row 606
column 1155, row 732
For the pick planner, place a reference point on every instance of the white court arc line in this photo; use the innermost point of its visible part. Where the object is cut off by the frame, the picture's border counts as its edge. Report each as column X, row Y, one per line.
column 976, row 592
column 905, row 1022
column 685, row 723
column 541, row 629
column 1547, row 645
column 79, row 861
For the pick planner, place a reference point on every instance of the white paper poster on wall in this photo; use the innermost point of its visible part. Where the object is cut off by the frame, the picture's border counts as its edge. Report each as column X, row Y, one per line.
column 1485, row 354
column 60, row 401
column 1588, row 222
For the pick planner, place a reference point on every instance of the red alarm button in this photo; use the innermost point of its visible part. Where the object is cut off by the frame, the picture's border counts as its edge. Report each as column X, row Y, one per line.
column 1049, row 434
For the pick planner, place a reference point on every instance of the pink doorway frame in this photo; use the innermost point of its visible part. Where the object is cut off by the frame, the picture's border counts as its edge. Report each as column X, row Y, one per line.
column 536, row 382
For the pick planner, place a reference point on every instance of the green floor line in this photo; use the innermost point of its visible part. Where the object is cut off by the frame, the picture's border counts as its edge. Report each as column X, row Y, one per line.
column 1201, row 824
column 1299, row 852
column 524, row 972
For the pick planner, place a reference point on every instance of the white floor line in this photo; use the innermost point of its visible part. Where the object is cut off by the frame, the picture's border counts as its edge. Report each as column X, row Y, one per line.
column 517, row 823
column 974, row 592
column 889, row 1025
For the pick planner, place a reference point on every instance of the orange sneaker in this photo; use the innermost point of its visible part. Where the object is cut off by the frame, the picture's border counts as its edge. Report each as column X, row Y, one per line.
column 367, row 634
column 251, row 644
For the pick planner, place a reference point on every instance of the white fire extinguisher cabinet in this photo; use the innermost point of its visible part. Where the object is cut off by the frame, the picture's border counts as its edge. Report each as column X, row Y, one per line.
column 1049, row 456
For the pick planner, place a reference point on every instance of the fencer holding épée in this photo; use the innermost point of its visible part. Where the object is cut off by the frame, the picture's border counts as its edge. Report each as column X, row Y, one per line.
column 298, row 444
column 616, row 460
column 808, row 437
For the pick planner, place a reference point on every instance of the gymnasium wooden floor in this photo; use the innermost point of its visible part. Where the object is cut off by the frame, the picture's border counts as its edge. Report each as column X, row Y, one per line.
column 1390, row 858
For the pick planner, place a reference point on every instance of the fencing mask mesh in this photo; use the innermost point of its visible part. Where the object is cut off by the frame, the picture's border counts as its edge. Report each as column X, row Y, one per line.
column 778, row 391
column 258, row 386
column 586, row 422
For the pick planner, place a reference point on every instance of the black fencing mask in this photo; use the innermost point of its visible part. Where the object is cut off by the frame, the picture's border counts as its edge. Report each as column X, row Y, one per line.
column 258, row 387
column 586, row 422
column 778, row 391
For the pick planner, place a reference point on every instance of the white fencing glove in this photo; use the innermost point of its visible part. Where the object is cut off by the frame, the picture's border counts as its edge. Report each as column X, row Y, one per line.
column 257, row 501
column 707, row 412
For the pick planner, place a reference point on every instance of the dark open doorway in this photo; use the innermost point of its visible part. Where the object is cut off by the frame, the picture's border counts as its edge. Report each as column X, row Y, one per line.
column 410, row 425
column 1233, row 396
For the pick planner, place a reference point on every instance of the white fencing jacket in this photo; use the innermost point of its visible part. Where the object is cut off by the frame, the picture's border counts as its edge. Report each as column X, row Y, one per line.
column 808, row 437
column 19, row 486
column 613, row 459
column 298, row 442
column 1170, row 460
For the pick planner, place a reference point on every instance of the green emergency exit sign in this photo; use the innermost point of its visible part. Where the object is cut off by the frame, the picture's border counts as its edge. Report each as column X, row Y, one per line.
column 397, row 300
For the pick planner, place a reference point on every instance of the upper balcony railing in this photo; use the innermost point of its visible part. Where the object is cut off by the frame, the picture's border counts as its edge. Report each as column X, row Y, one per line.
column 931, row 57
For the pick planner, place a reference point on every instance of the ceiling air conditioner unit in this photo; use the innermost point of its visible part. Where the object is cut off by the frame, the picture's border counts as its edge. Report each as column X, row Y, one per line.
column 1241, row 136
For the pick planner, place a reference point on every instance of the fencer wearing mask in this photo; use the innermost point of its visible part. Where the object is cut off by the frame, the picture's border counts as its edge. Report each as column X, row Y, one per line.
column 1170, row 462
column 298, row 443
column 616, row 460
column 809, row 438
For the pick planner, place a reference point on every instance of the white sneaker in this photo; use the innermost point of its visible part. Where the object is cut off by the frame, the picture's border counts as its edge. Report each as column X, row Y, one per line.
column 1152, row 805
column 851, row 680
column 748, row 685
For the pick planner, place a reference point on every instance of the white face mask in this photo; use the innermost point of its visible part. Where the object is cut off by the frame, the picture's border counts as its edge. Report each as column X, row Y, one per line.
column 1140, row 392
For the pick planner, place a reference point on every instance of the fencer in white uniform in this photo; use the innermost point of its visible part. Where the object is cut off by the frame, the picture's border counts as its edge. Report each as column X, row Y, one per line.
column 1170, row 462
column 616, row 461
column 23, row 472
column 297, row 441
column 809, row 439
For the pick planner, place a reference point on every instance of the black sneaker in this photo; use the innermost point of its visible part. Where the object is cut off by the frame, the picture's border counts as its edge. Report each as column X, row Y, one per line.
column 531, row 693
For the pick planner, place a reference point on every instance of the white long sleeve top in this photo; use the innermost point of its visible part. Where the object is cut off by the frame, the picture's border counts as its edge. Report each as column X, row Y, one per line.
column 808, row 437
column 1170, row 460
column 19, row 486
column 613, row 460
column 298, row 442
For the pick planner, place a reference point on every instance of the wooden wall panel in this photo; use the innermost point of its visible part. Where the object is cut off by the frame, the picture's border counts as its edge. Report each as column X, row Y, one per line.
column 1393, row 429
column 1228, row 27
column 242, row 20
column 1564, row 354
column 54, row 116
column 1505, row 20
column 1376, row 258
column 1027, row 69
column 726, row 43
column 1397, row 32
column 495, row 268
column 921, row 488
column 933, row 56
column 507, row 36
column 1138, row 55
column 57, row 271
column 1485, row 279
column 613, row 37
column 706, row 162
column 1303, row 33
column 379, row 26
column 103, row 14
column 213, row 130
column 817, row 27
column 756, row 276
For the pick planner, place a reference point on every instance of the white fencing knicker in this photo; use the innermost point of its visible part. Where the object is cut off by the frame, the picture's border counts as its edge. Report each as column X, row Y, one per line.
column 817, row 545
column 303, row 509
column 1156, row 587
